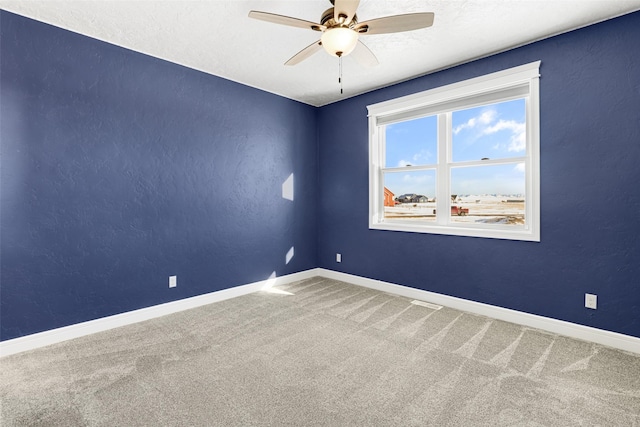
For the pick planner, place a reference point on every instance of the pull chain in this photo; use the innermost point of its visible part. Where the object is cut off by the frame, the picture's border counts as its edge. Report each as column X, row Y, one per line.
column 340, row 73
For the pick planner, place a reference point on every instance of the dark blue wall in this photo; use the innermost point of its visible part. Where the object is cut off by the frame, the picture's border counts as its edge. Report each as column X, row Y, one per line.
column 590, row 196
column 118, row 170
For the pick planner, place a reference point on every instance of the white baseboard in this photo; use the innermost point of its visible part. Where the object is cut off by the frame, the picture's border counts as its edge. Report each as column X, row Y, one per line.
column 41, row 339
column 560, row 327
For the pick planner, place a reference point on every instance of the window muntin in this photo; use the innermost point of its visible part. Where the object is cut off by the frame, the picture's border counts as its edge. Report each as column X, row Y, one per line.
column 476, row 152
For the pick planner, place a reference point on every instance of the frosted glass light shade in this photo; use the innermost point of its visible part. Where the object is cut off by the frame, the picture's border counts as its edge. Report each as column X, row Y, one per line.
column 339, row 41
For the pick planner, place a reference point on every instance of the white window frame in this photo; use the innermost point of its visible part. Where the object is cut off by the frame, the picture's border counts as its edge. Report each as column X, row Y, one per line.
column 514, row 83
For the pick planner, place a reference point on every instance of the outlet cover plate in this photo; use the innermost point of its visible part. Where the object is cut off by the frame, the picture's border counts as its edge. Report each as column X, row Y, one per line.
column 591, row 301
column 173, row 281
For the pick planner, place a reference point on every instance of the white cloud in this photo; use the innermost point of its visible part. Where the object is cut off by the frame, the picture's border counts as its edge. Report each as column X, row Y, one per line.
column 420, row 158
column 415, row 179
column 470, row 123
column 485, row 118
column 519, row 167
column 424, row 156
column 518, row 141
column 511, row 125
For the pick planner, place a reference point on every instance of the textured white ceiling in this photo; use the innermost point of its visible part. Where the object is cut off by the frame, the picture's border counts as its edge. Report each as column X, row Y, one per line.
column 217, row 37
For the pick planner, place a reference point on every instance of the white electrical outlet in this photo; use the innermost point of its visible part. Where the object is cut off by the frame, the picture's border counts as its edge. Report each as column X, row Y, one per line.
column 173, row 281
column 591, row 301
column 338, row 258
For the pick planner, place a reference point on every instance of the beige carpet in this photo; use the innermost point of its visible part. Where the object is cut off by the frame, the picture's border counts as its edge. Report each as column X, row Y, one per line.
column 324, row 353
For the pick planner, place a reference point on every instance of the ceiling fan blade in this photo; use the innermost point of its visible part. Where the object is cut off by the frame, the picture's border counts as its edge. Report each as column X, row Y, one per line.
column 363, row 55
column 286, row 20
column 345, row 10
column 304, row 53
column 396, row 23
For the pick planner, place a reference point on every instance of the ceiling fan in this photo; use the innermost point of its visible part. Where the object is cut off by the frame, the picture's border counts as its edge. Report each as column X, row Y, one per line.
column 340, row 30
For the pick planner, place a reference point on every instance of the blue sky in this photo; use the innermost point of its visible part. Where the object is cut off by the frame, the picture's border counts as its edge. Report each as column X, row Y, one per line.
column 495, row 131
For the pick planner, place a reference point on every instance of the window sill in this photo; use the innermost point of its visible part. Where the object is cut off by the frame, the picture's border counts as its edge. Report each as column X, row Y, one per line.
column 458, row 230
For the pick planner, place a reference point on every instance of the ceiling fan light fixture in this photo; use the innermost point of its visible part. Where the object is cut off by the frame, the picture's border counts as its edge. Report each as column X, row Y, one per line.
column 339, row 41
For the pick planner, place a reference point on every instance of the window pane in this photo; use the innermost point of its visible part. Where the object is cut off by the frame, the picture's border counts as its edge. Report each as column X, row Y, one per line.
column 411, row 143
column 494, row 131
column 410, row 195
column 488, row 194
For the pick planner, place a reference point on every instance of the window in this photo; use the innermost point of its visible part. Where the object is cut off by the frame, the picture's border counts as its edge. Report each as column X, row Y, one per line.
column 462, row 159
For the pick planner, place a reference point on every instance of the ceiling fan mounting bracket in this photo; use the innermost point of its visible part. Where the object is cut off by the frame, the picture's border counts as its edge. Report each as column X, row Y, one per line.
column 328, row 20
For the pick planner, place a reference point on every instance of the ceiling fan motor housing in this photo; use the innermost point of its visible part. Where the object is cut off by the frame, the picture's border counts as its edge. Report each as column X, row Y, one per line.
column 339, row 39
